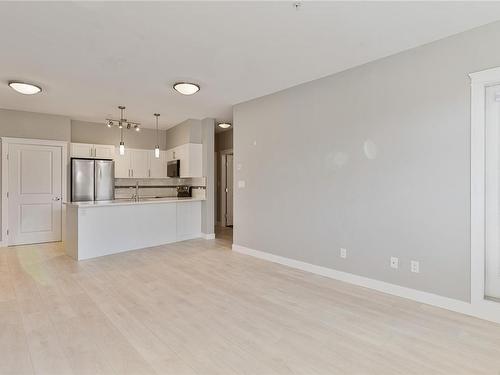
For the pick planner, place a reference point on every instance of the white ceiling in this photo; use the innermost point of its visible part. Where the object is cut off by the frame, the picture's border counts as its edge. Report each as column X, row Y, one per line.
column 90, row 57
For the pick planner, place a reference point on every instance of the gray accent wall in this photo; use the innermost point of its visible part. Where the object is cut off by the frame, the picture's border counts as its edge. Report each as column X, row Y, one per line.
column 99, row 133
column 375, row 159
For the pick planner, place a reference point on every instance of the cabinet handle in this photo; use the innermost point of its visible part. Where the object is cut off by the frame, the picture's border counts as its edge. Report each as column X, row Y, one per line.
column 132, row 172
column 149, row 172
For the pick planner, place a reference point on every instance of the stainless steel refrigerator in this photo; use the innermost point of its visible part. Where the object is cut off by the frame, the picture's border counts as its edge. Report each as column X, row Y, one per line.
column 92, row 180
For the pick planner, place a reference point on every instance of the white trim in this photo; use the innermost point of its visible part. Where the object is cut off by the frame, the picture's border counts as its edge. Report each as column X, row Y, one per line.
column 381, row 286
column 5, row 179
column 479, row 82
column 208, row 236
column 223, row 197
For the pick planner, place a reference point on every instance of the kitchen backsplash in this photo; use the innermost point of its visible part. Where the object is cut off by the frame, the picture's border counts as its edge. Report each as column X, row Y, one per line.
column 161, row 182
column 156, row 187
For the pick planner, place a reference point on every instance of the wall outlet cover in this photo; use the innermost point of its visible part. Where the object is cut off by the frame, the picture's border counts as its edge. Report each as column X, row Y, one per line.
column 415, row 266
column 394, row 262
column 343, row 252
column 241, row 184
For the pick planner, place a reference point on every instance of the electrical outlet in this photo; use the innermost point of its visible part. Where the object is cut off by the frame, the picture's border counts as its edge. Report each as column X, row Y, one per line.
column 343, row 253
column 394, row 262
column 415, row 266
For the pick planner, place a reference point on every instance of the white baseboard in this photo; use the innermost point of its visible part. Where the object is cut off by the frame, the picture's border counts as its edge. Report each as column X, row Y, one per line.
column 208, row 236
column 381, row 286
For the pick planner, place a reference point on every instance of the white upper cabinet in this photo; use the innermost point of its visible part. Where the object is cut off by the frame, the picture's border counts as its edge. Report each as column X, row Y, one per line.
column 157, row 165
column 87, row 150
column 190, row 156
column 122, row 164
column 104, row 151
column 81, row 150
column 139, row 163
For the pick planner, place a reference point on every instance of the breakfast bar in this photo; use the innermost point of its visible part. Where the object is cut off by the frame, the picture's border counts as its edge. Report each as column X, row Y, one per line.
column 100, row 228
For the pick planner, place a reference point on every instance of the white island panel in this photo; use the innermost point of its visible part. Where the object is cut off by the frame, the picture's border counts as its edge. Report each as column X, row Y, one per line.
column 113, row 228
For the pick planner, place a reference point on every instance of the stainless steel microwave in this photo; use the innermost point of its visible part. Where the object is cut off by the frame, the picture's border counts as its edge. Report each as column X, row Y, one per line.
column 173, row 168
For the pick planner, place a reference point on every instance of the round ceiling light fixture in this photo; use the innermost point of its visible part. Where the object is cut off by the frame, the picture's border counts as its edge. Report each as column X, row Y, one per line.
column 186, row 88
column 25, row 88
column 224, row 125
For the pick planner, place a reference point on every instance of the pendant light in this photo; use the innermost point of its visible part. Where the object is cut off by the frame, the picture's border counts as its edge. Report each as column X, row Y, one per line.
column 157, row 147
column 122, row 145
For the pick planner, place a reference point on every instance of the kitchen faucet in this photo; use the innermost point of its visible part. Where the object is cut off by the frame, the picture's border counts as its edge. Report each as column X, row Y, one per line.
column 135, row 196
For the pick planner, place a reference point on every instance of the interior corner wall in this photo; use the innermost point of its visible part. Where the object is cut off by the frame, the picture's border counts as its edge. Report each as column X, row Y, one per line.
column 375, row 159
column 189, row 131
column 207, row 208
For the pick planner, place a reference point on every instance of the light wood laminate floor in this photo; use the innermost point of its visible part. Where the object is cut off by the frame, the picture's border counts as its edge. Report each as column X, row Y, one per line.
column 197, row 308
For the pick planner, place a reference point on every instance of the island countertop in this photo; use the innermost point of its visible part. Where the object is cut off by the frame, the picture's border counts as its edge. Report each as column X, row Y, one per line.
column 128, row 202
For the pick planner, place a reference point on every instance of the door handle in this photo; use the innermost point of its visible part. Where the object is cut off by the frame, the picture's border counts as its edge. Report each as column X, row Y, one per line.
column 56, row 198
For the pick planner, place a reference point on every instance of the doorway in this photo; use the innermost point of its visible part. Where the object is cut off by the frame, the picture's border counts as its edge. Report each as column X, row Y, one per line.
column 227, row 190
column 34, row 179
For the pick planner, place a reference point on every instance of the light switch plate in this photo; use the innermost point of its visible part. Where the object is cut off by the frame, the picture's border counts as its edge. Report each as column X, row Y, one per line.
column 343, row 252
column 241, row 184
column 415, row 266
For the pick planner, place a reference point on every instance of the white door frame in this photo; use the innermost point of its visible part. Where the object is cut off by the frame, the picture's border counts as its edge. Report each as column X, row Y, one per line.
column 6, row 141
column 479, row 82
column 223, row 154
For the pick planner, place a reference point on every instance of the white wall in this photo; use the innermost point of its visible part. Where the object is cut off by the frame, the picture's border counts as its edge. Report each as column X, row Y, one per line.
column 375, row 159
column 99, row 133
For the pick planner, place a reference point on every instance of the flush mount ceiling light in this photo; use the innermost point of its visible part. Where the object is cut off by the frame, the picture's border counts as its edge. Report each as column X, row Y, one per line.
column 186, row 88
column 224, row 125
column 25, row 88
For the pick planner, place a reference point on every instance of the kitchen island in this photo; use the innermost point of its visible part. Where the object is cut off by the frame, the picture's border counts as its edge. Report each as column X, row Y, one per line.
column 100, row 228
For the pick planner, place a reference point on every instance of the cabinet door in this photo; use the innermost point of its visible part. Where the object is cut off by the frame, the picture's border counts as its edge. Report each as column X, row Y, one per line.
column 157, row 165
column 81, row 150
column 171, row 154
column 139, row 163
column 122, row 164
column 104, row 151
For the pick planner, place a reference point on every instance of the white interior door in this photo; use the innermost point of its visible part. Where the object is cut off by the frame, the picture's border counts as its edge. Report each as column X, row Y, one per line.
column 229, row 189
column 35, row 192
column 492, row 186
